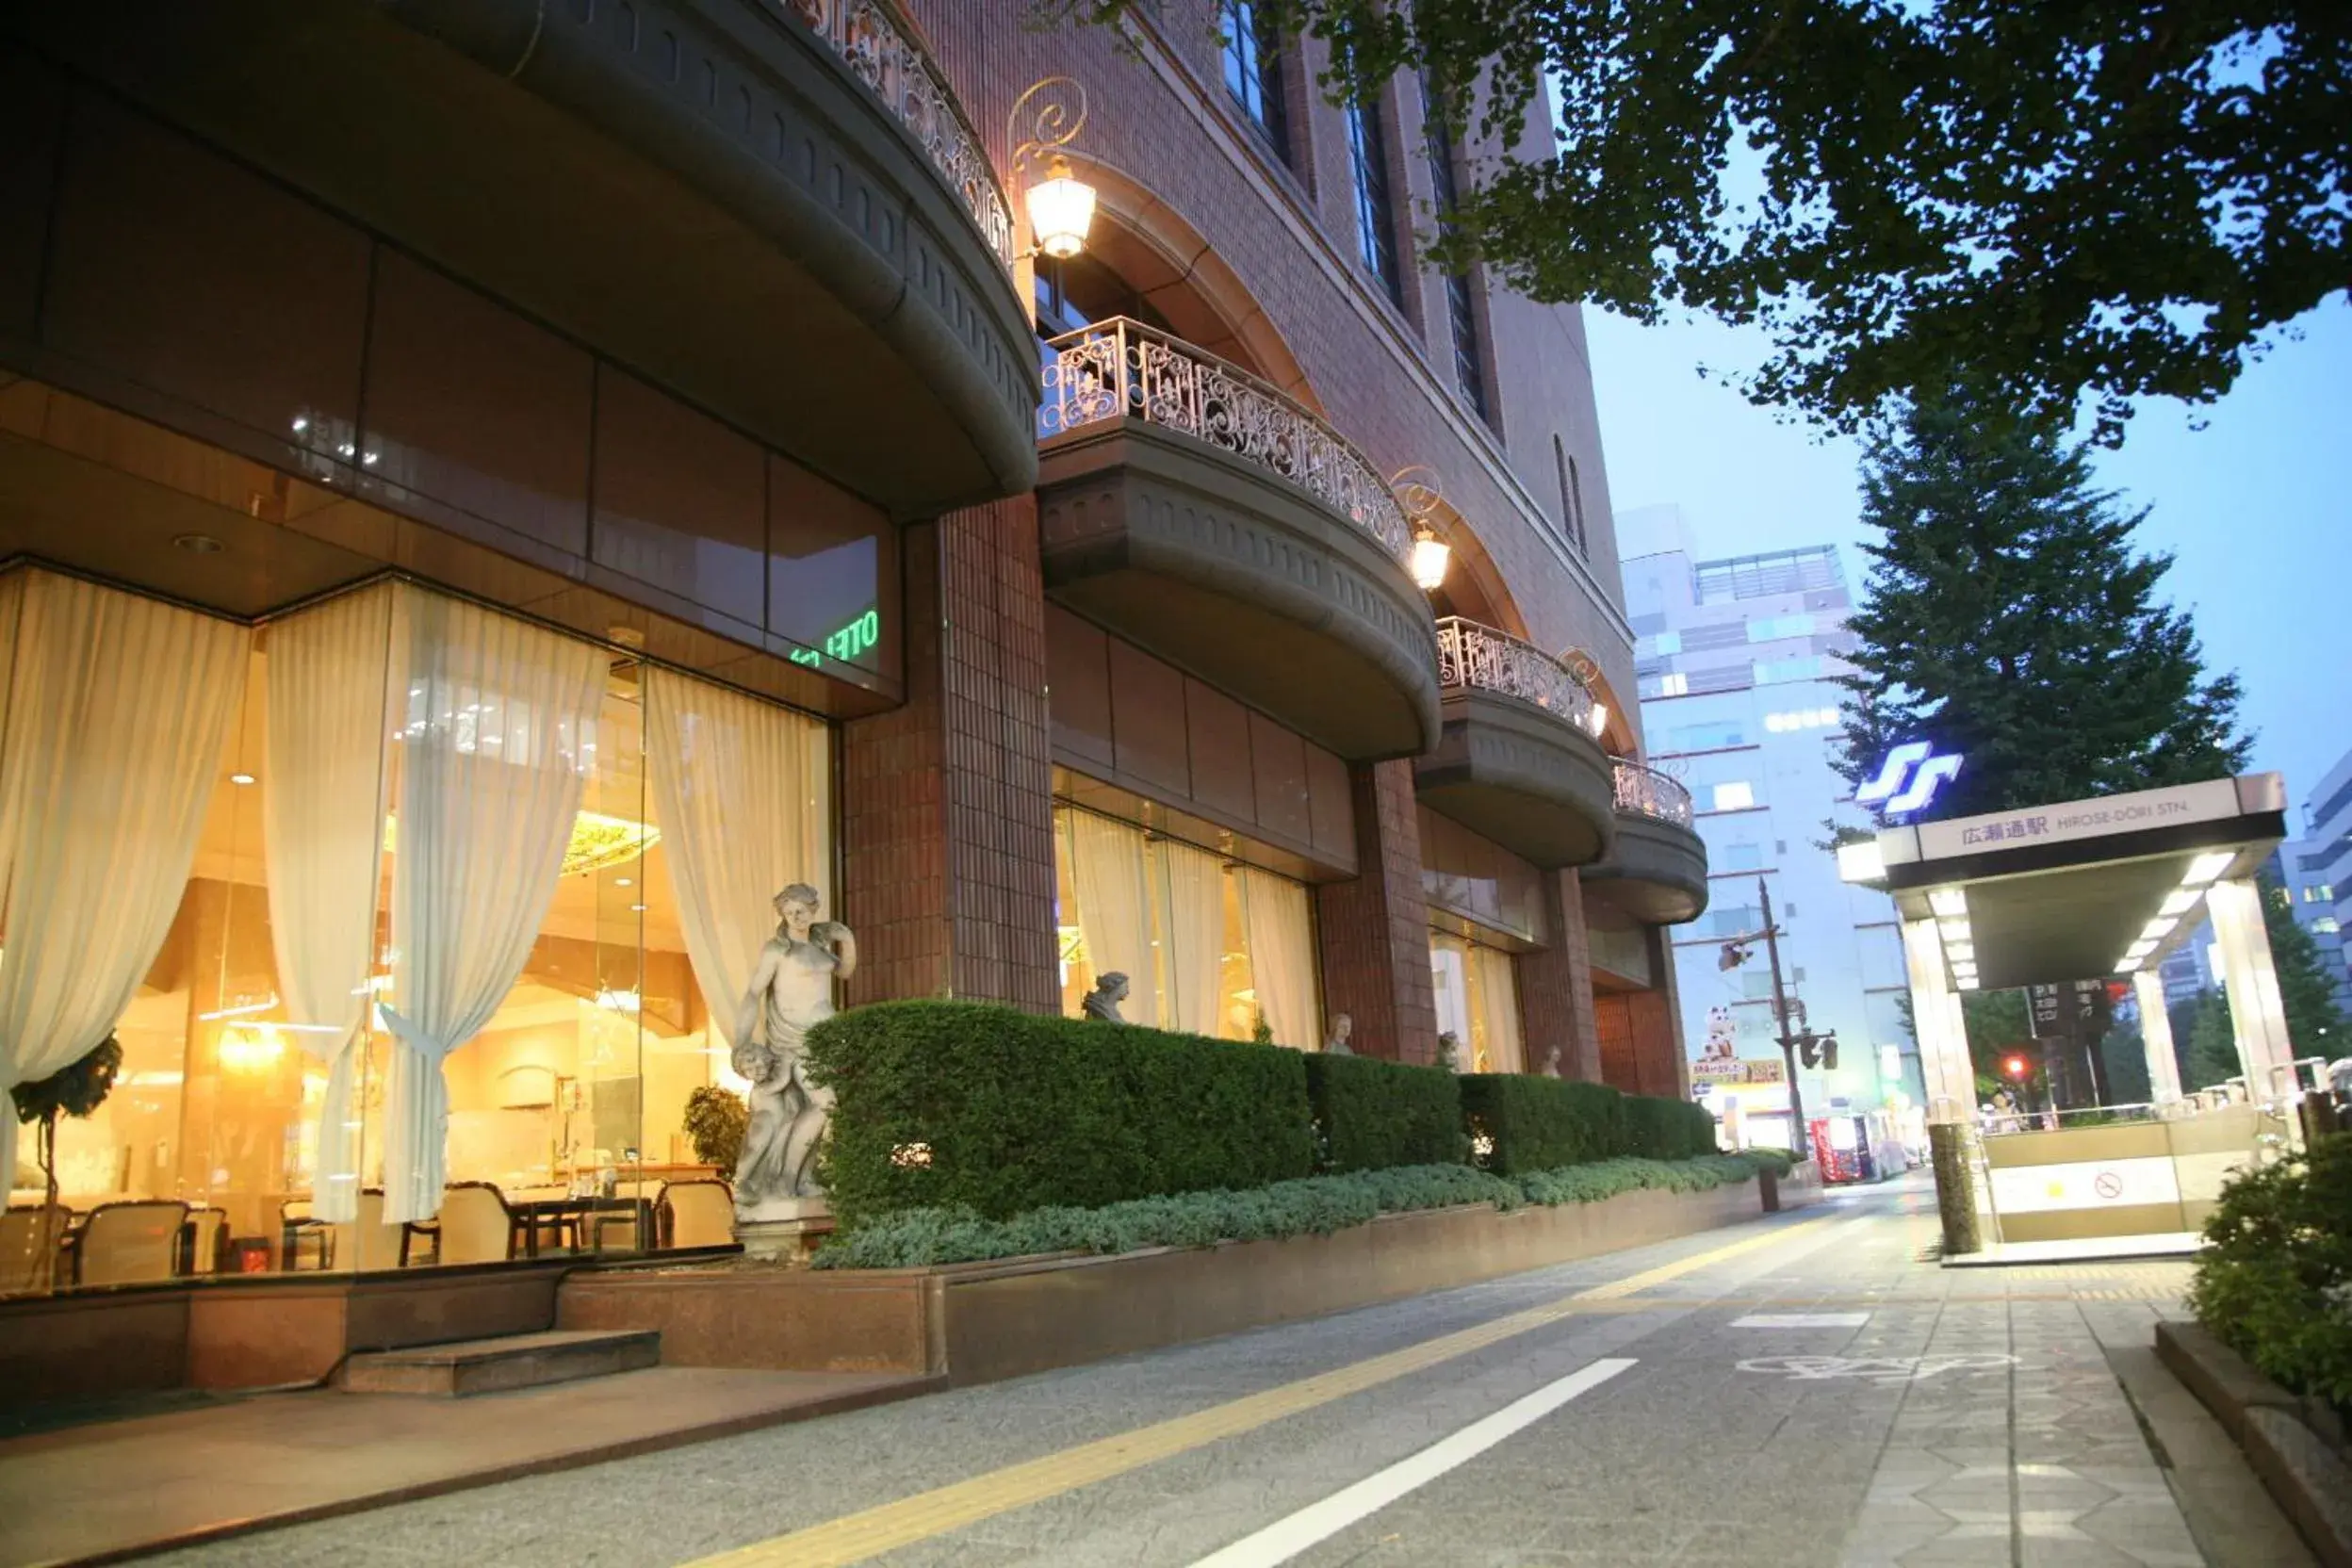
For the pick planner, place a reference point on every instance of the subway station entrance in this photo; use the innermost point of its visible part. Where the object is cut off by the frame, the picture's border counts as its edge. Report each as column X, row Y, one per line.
column 2071, row 900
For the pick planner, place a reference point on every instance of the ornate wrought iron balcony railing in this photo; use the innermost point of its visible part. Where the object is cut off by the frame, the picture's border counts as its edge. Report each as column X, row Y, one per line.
column 881, row 52
column 1122, row 367
column 1481, row 658
column 1649, row 792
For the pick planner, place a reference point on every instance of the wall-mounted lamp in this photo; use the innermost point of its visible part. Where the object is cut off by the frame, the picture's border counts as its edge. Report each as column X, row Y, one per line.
column 1061, row 206
column 1418, row 491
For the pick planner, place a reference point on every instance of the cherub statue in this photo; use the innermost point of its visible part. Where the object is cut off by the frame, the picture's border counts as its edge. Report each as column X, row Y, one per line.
column 792, row 991
column 1336, row 1045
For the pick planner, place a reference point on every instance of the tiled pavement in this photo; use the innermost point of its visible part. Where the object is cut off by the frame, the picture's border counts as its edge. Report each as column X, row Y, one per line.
column 1928, row 1416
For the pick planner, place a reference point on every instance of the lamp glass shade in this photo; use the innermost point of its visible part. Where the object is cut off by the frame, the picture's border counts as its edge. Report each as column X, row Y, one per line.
column 1431, row 556
column 1061, row 210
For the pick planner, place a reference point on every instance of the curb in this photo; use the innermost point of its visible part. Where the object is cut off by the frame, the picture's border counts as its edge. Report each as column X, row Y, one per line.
column 2311, row 1482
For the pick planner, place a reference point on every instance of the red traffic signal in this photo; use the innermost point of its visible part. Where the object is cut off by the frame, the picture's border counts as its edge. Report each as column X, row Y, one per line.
column 2015, row 1067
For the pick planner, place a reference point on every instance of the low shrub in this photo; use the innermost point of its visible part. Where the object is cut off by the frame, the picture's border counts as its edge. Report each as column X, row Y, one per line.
column 1370, row 1115
column 2275, row 1279
column 1519, row 1123
column 1659, row 1129
column 1316, row 1205
column 961, row 1106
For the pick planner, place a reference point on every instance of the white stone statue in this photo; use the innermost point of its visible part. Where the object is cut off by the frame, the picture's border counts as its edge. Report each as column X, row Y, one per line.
column 1102, row 1002
column 792, row 991
column 1342, row 1026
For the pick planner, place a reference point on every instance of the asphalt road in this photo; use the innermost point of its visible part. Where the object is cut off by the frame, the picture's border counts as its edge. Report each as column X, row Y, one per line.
column 1806, row 1389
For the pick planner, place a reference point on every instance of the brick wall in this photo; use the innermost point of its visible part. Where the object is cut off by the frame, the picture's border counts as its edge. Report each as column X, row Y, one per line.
column 1555, row 986
column 1373, row 933
column 946, row 803
column 1159, row 116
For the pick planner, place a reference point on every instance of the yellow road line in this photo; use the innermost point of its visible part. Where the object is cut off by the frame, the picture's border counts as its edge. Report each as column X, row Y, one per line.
column 856, row 1537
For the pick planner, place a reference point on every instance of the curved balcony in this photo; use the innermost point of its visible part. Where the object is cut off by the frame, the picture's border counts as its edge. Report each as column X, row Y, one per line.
column 1202, row 514
column 1518, row 761
column 1657, row 871
column 774, row 208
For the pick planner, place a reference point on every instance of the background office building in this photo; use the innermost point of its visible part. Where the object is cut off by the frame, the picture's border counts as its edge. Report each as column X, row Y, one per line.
column 1736, row 659
column 2316, row 869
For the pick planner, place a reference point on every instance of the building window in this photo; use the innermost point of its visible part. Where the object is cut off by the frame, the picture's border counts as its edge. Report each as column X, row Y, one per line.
column 1771, row 671
column 1571, row 495
column 1254, row 73
column 1376, row 214
column 1738, row 796
column 1208, row 948
column 1773, row 628
column 1462, row 312
column 1802, row 718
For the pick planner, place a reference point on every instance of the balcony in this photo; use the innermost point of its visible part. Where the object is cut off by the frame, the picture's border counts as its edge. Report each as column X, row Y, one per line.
column 1657, row 871
column 1518, row 761
column 1201, row 514
column 772, row 208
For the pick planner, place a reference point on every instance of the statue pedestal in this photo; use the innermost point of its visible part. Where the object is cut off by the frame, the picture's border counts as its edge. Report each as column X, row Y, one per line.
column 783, row 1230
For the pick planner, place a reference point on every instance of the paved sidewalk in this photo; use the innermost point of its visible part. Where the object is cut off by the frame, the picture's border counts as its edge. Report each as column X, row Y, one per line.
column 1810, row 1388
column 116, row 1486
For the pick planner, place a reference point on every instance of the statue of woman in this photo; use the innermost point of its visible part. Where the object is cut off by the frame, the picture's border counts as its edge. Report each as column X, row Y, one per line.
column 792, row 991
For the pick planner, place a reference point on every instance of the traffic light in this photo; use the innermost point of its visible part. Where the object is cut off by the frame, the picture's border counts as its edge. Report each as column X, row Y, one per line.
column 1809, row 1051
column 2015, row 1068
column 1829, row 1052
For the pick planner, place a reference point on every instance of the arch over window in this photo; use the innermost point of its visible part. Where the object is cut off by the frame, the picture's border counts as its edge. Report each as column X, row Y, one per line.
column 1140, row 252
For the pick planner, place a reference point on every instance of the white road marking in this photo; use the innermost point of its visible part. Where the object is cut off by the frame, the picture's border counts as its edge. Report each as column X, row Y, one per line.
column 1286, row 1538
column 1877, row 1370
column 1801, row 1321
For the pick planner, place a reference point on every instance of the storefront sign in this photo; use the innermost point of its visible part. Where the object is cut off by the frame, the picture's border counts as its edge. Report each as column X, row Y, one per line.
column 2209, row 801
column 1745, row 1070
column 857, row 637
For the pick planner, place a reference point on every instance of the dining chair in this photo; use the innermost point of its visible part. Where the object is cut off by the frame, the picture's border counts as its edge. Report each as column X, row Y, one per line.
column 200, row 1240
column 32, row 1245
column 475, row 1224
column 131, row 1243
column 696, row 1214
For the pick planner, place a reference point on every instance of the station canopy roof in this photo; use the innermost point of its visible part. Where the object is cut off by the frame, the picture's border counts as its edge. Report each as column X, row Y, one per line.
column 2066, row 892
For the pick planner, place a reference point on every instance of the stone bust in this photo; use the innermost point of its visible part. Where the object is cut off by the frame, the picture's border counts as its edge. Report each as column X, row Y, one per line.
column 1336, row 1045
column 1102, row 1002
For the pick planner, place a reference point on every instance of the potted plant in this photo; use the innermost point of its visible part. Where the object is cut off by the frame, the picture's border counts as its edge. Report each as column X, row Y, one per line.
column 715, row 1120
column 75, row 1090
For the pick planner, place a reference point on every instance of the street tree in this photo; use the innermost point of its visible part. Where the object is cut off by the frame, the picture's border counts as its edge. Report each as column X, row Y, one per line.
column 2209, row 1052
column 2007, row 619
column 2111, row 198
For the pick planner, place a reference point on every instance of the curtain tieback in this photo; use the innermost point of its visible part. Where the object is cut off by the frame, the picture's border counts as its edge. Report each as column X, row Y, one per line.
column 410, row 1035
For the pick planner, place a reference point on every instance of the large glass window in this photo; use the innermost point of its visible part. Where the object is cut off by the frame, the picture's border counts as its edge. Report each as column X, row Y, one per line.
column 1477, row 1003
column 1254, row 73
column 1462, row 312
column 1376, row 212
column 429, row 932
column 1208, row 946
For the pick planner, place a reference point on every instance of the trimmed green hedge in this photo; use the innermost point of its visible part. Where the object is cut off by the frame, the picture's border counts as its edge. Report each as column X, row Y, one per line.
column 961, row 1106
column 2274, row 1279
column 1318, row 1205
column 1370, row 1115
column 1519, row 1123
column 1657, row 1129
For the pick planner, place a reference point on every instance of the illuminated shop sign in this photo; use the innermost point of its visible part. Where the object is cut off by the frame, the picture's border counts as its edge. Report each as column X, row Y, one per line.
column 857, row 637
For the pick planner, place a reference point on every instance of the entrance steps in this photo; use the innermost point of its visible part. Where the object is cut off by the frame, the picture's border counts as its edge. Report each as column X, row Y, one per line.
column 507, row 1362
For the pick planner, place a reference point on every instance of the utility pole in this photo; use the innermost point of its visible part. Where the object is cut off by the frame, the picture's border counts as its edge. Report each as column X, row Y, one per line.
column 1780, row 1016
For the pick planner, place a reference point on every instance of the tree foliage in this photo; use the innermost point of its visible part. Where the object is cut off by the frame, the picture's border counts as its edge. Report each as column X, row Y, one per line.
column 2315, row 1025
column 2008, row 619
column 74, row 1089
column 2209, row 1052
column 2118, row 197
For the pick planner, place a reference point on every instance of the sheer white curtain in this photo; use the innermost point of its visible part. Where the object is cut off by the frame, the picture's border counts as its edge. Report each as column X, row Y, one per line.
column 118, row 708
column 1498, row 1009
column 331, row 692
column 1281, row 954
column 498, row 739
column 1192, row 934
column 1113, row 909
column 741, row 790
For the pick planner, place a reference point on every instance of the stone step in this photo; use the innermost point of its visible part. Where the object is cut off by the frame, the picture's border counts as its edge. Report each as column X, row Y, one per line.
column 508, row 1361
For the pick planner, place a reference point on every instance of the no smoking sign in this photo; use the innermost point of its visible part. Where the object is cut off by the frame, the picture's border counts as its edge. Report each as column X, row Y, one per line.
column 2107, row 1185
